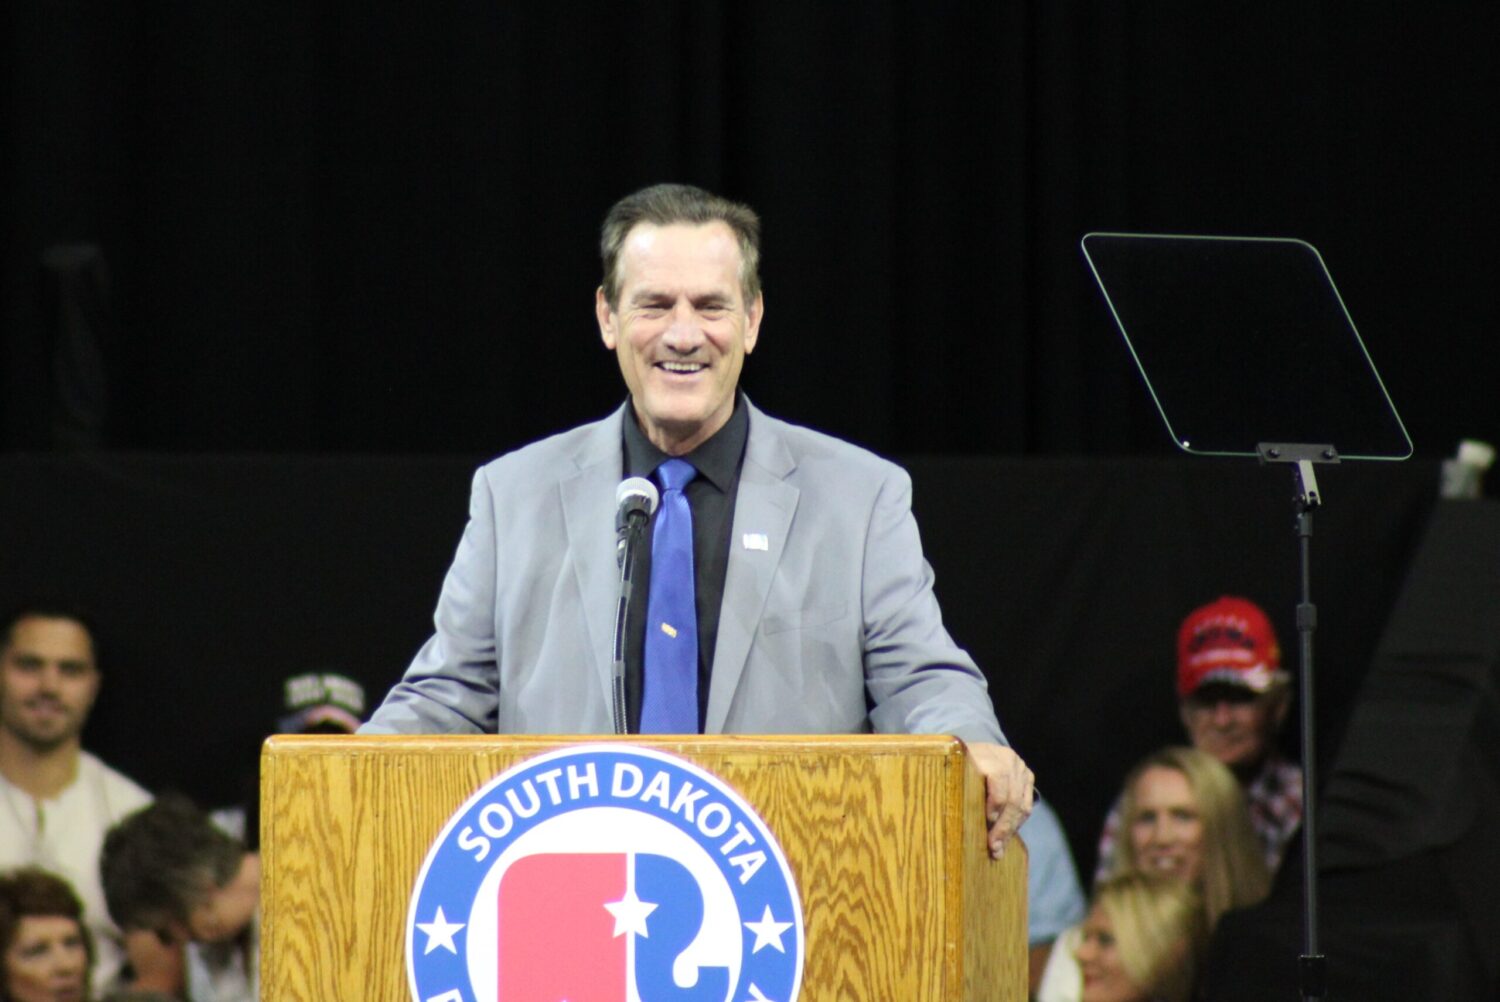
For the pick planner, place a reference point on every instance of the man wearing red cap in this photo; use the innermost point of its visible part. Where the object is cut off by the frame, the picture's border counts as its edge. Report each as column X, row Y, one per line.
column 1233, row 696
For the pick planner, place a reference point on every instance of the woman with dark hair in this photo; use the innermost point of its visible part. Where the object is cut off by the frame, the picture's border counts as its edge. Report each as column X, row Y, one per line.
column 46, row 953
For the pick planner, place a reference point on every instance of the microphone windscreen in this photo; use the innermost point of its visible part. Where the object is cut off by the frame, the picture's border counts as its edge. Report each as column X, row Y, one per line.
column 637, row 494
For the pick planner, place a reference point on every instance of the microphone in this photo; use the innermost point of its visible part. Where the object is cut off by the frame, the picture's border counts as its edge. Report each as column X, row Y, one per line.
column 635, row 501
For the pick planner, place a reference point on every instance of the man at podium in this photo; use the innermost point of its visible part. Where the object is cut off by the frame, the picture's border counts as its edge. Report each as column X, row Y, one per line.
column 780, row 587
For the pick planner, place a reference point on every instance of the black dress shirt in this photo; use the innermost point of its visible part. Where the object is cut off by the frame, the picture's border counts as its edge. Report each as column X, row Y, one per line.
column 710, row 496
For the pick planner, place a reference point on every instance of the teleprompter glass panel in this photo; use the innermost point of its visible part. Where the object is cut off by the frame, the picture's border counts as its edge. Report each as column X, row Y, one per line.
column 1244, row 340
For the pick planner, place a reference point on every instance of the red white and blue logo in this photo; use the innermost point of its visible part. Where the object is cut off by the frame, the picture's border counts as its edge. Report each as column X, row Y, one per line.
column 605, row 873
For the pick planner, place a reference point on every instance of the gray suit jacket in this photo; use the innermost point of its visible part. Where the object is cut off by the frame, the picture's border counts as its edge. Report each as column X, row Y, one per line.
column 828, row 623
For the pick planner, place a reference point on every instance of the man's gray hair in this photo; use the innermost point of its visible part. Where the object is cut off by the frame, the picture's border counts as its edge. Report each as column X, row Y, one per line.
column 162, row 861
column 665, row 204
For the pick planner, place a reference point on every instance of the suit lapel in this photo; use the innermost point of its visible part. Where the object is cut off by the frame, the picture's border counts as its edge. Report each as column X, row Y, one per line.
column 588, row 503
column 763, row 514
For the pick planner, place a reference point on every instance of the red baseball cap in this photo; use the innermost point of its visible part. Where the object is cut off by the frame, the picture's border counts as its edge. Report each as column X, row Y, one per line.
column 1229, row 641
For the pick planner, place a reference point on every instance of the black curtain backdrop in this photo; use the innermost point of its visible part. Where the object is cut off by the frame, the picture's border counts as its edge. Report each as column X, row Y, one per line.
column 352, row 245
column 215, row 578
column 343, row 227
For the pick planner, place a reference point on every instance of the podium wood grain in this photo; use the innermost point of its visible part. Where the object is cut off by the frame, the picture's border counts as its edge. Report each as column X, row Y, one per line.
column 884, row 835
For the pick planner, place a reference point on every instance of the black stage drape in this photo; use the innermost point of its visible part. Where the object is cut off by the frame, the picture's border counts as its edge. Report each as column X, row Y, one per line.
column 214, row 578
column 293, row 230
column 368, row 228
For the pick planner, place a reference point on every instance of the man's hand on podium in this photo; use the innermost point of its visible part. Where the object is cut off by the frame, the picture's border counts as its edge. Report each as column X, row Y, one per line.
column 1009, row 788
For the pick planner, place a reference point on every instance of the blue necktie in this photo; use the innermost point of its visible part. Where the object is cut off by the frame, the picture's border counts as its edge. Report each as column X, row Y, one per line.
column 669, row 698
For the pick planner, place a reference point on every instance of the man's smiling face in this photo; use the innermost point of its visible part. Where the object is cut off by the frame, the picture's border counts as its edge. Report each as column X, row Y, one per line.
column 48, row 681
column 681, row 329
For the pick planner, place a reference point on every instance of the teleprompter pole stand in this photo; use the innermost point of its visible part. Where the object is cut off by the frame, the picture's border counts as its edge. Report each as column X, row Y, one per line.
column 1312, row 966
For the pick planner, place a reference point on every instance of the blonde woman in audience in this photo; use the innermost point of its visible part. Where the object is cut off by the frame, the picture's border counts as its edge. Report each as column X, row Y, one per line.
column 1142, row 941
column 1184, row 818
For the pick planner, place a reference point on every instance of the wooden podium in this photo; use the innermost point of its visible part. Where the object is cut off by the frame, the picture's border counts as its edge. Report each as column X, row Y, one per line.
column 884, row 836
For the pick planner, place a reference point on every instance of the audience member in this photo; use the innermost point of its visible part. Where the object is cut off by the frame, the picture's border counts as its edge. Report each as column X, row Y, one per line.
column 58, row 798
column 1142, row 941
column 317, row 702
column 46, row 951
column 1054, row 896
column 1185, row 819
column 1233, row 697
column 169, row 869
column 321, row 703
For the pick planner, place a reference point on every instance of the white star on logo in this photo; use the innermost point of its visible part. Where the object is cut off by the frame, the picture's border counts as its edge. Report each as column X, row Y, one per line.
column 768, row 932
column 756, row 995
column 630, row 914
column 440, row 933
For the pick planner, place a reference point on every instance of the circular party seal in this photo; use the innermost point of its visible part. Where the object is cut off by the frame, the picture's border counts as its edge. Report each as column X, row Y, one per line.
column 605, row 873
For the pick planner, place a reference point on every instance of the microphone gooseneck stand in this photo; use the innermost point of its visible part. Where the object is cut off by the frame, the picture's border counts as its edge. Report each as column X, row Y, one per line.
column 625, row 554
column 1312, row 966
column 635, row 502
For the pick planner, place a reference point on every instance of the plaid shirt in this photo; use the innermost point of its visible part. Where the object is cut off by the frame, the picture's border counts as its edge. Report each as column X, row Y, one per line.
column 1274, row 798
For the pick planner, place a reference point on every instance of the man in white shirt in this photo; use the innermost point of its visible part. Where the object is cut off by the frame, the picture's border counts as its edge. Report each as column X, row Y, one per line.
column 57, row 800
